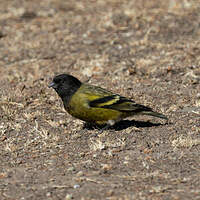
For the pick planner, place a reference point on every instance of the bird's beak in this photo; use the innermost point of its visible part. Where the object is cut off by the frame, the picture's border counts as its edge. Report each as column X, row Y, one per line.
column 53, row 85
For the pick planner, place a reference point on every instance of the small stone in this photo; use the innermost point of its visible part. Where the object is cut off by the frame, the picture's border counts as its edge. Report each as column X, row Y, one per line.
column 48, row 194
column 106, row 167
column 70, row 169
column 80, row 173
column 76, row 186
column 68, row 197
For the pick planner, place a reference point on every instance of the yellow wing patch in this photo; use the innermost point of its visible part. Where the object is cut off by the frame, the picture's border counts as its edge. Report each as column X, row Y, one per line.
column 107, row 101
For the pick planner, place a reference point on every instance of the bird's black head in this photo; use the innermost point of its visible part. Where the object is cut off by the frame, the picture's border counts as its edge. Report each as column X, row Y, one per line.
column 65, row 85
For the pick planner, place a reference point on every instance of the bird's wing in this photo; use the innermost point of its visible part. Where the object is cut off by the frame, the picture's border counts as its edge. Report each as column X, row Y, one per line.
column 117, row 102
column 101, row 98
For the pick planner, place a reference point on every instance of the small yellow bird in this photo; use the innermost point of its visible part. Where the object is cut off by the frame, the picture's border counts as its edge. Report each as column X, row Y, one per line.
column 94, row 104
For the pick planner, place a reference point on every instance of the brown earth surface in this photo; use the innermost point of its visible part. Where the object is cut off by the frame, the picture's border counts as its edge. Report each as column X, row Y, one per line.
column 146, row 50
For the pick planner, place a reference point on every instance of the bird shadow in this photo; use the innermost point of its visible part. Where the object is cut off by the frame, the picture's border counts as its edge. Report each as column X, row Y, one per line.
column 124, row 124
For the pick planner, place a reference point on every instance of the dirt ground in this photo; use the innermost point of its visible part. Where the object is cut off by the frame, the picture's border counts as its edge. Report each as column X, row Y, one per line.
column 146, row 50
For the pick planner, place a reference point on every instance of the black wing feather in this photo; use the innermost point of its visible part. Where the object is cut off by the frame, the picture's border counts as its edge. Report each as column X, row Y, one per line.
column 120, row 103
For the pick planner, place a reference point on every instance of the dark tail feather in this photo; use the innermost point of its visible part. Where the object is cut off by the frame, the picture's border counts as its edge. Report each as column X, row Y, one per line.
column 155, row 114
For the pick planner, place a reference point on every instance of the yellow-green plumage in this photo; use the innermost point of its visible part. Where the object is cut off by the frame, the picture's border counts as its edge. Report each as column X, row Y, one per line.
column 79, row 105
column 94, row 104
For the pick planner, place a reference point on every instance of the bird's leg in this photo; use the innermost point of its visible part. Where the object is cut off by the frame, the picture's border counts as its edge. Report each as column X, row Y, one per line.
column 101, row 128
column 89, row 126
column 107, row 126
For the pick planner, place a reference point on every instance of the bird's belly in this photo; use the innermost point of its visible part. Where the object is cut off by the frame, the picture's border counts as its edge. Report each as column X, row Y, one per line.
column 94, row 115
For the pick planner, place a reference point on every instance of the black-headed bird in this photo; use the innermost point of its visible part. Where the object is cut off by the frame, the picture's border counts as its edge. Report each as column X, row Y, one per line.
column 94, row 104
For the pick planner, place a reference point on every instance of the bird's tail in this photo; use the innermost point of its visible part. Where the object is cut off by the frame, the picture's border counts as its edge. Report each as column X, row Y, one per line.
column 155, row 114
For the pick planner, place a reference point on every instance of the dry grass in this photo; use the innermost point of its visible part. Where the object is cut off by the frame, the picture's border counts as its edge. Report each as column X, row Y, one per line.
column 145, row 50
column 185, row 142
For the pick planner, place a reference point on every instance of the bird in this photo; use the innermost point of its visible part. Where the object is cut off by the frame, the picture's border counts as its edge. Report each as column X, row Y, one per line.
column 96, row 105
